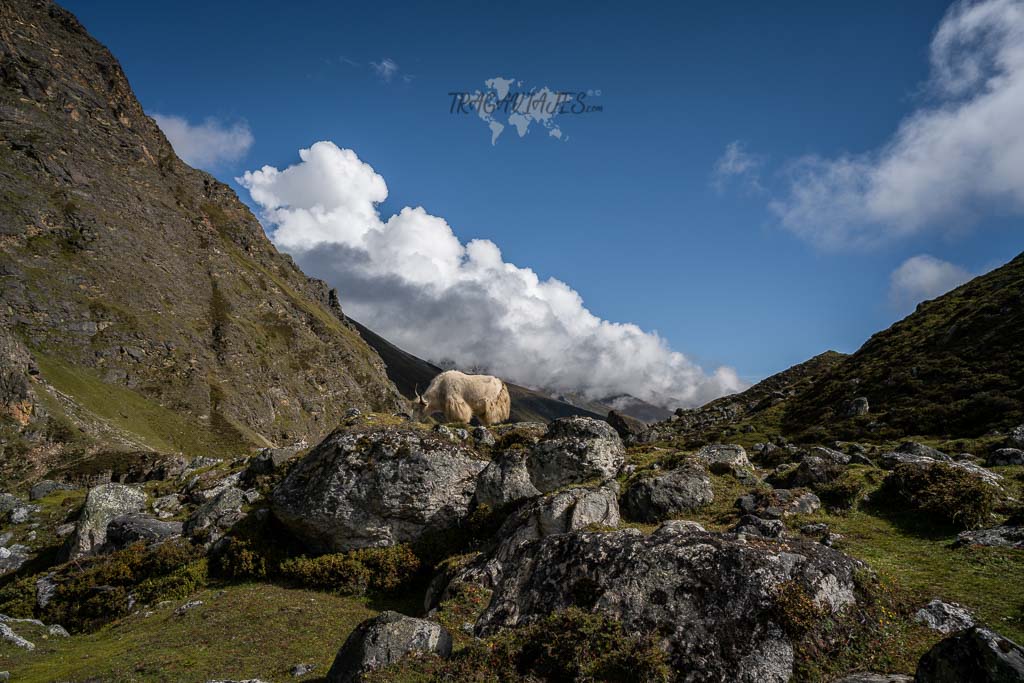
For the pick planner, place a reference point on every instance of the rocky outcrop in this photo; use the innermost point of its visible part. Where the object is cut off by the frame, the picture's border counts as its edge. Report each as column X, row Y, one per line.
column 657, row 498
column 573, row 450
column 711, row 596
column 102, row 505
column 384, row 640
column 216, row 515
column 505, row 480
column 374, row 488
column 977, row 655
column 629, row 428
column 132, row 269
column 778, row 503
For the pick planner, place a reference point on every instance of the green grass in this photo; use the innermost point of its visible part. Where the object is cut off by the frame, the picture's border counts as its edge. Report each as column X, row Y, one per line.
column 242, row 631
column 157, row 427
column 919, row 559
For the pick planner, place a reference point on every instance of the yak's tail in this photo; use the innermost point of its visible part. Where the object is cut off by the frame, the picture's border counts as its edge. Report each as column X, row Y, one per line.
column 500, row 408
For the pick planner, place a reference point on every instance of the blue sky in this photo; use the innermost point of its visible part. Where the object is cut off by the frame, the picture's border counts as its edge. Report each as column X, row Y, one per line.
column 629, row 210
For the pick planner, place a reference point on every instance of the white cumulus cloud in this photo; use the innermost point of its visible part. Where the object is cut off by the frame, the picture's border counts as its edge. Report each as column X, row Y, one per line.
column 923, row 277
column 411, row 279
column 961, row 152
column 207, row 144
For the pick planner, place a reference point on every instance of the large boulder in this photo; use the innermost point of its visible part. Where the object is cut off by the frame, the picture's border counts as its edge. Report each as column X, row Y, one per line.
column 505, row 480
column 724, row 458
column 655, row 499
column 384, row 640
column 713, row 598
column 46, row 487
column 102, row 505
column 381, row 487
column 575, row 450
column 976, row 655
column 554, row 513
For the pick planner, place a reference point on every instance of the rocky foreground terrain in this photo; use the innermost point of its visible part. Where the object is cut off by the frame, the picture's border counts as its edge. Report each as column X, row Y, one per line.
column 207, row 473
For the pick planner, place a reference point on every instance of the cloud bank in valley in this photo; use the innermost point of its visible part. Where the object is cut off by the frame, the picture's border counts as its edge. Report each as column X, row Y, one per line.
column 410, row 278
column 207, row 144
column 962, row 149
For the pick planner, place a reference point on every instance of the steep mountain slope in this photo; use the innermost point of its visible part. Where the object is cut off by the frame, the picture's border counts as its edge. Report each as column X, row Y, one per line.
column 407, row 372
column 148, row 297
column 954, row 367
column 760, row 406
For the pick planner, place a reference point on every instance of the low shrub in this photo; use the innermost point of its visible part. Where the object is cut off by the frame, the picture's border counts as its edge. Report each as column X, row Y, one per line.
column 569, row 645
column 946, row 493
column 849, row 488
column 337, row 573
column 94, row 591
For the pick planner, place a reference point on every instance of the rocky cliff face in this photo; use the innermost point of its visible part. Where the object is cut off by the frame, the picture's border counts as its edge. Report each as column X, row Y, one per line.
column 146, row 293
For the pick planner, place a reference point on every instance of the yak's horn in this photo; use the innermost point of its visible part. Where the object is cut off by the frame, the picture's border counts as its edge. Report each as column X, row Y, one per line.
column 416, row 390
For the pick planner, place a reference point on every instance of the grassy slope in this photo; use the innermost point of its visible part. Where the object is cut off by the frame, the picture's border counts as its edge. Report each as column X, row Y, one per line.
column 241, row 631
column 955, row 367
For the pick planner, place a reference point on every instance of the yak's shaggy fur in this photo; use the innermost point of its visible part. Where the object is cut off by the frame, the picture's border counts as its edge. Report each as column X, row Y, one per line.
column 460, row 396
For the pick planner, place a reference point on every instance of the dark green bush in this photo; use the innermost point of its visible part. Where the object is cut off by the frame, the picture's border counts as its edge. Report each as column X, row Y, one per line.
column 849, row 488
column 94, row 591
column 338, row 573
column 946, row 493
column 569, row 645
column 239, row 560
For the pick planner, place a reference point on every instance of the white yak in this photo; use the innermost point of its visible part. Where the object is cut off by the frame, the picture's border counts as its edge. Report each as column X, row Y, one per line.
column 460, row 396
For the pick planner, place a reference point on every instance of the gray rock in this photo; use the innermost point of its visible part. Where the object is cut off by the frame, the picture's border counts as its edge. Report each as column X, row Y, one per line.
column 12, row 558
column 999, row 536
column 629, row 428
column 102, row 505
column 858, row 406
column 575, row 450
column 8, row 635
column 1005, row 456
column 46, row 487
column 891, row 460
column 828, row 454
column 127, row 529
column 384, row 640
column 724, row 458
column 269, row 460
column 302, row 669
column 752, row 525
column 216, row 515
column 976, row 655
column 57, row 631
column 870, row 677
column 22, row 513
column 944, row 617
column 505, row 480
column 778, row 503
column 811, row 470
column 46, row 588
column 202, row 462
column 915, row 448
column 167, row 506
column 1015, row 439
column 378, row 488
column 188, row 606
column 709, row 596
column 483, row 436
column 657, row 498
